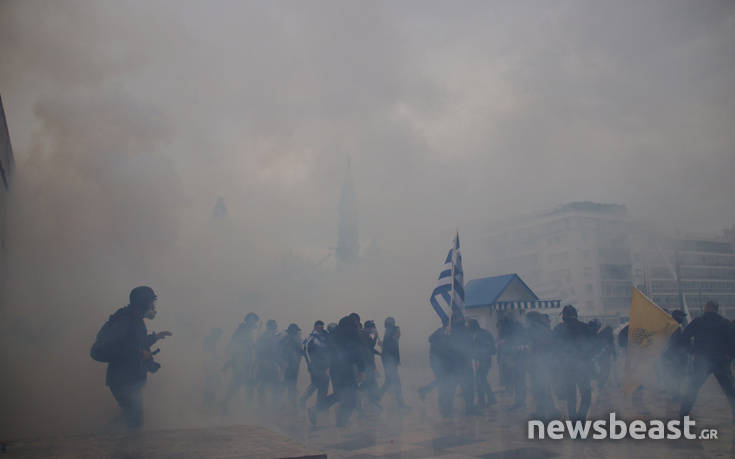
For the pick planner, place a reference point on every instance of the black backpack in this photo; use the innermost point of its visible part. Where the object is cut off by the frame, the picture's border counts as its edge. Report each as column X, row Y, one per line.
column 107, row 339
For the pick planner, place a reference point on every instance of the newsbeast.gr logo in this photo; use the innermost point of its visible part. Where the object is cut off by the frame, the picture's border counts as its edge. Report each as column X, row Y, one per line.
column 618, row 429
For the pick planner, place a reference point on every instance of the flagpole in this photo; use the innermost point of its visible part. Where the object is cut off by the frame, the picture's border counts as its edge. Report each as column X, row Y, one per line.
column 451, row 293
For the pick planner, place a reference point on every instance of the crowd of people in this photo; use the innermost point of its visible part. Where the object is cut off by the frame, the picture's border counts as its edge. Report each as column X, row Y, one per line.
column 343, row 353
column 559, row 363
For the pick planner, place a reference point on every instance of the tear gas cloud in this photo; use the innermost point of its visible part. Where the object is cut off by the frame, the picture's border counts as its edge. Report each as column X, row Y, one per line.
column 129, row 119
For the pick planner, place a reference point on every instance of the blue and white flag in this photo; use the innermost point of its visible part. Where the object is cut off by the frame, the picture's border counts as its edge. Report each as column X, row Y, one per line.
column 447, row 298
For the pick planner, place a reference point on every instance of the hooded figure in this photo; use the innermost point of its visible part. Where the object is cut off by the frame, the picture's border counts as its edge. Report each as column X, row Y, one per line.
column 391, row 356
column 125, row 344
column 290, row 355
column 242, row 358
column 574, row 345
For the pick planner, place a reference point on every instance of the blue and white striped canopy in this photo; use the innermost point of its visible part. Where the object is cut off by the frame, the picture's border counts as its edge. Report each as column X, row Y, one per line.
column 539, row 304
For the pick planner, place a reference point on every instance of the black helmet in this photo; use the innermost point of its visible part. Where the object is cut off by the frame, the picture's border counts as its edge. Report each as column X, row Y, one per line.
column 293, row 329
column 569, row 312
column 251, row 317
column 271, row 325
column 140, row 296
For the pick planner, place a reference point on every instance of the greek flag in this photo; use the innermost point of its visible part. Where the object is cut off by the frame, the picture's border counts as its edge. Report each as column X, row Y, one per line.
column 447, row 298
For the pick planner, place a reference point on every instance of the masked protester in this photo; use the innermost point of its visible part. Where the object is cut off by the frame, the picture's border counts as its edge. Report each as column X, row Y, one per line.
column 316, row 354
column 713, row 337
column 348, row 366
column 391, row 360
column 124, row 343
column 574, row 344
column 241, row 350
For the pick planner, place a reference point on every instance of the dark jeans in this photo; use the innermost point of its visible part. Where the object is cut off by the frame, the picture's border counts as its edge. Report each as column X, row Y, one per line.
column 130, row 399
column 702, row 369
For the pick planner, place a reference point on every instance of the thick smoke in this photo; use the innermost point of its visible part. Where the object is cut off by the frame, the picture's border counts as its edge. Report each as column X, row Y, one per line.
column 128, row 119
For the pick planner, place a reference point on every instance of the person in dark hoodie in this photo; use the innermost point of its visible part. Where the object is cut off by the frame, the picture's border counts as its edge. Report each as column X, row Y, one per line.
column 456, row 368
column 713, row 350
column 316, row 354
column 347, row 367
column 241, row 350
column 574, row 343
column 436, row 340
column 391, row 360
column 483, row 349
column 124, row 342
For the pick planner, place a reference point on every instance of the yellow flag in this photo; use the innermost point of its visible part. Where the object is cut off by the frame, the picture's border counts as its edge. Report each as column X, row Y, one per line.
column 648, row 333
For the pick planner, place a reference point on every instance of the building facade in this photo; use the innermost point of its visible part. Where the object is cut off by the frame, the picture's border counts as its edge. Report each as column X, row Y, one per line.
column 590, row 255
column 579, row 252
column 685, row 272
column 6, row 170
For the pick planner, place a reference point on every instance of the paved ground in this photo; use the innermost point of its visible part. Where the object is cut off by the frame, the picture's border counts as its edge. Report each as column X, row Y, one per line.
column 421, row 433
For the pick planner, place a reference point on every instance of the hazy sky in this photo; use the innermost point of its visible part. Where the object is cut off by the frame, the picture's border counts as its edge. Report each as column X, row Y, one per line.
column 451, row 111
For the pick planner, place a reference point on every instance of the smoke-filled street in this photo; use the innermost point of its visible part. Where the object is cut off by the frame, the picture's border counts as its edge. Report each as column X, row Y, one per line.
column 367, row 228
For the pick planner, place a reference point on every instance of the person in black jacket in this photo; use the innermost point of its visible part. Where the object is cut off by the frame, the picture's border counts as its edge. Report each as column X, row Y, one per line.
column 436, row 340
column 575, row 346
column 483, row 349
column 391, row 357
column 456, row 368
column 713, row 351
column 347, row 368
column 241, row 350
column 127, row 348
column 316, row 354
